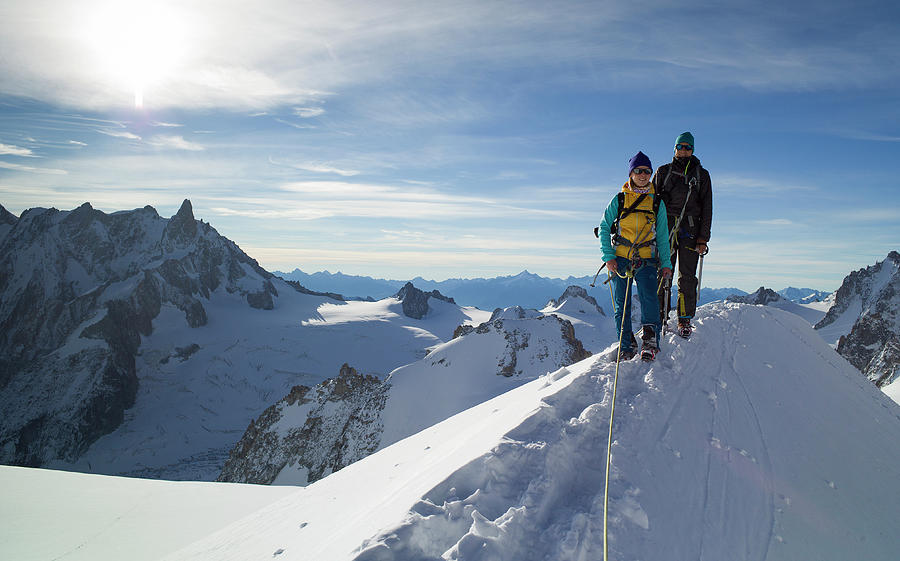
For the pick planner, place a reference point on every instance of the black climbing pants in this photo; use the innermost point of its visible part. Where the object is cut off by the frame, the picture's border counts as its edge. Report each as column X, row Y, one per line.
column 685, row 259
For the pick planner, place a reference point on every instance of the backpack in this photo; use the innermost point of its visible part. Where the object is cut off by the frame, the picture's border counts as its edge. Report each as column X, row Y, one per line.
column 618, row 240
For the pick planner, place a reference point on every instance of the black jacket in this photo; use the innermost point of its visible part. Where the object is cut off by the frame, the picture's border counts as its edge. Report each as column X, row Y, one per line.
column 671, row 182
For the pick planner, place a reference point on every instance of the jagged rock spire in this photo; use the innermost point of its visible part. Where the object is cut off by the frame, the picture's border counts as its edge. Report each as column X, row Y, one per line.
column 183, row 227
column 7, row 217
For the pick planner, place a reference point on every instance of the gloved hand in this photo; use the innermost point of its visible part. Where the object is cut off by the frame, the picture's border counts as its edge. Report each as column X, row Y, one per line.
column 701, row 246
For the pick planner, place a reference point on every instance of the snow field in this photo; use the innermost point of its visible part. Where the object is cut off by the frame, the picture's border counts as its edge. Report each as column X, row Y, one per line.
column 48, row 514
column 752, row 441
column 190, row 410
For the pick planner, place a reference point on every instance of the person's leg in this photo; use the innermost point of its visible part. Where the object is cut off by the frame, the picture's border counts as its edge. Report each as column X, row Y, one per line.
column 645, row 278
column 664, row 295
column 687, row 280
column 623, row 305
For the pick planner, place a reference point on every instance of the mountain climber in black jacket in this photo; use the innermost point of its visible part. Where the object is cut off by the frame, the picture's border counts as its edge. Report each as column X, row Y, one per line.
column 684, row 185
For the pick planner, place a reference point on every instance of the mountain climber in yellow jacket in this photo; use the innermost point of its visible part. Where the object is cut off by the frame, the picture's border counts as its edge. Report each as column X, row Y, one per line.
column 634, row 240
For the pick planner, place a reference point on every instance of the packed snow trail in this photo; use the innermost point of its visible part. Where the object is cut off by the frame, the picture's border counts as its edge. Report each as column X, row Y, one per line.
column 753, row 440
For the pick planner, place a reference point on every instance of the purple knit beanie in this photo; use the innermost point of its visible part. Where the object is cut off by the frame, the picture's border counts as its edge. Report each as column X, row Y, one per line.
column 638, row 160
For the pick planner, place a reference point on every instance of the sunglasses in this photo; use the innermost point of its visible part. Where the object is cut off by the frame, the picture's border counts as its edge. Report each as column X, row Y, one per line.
column 640, row 171
column 684, row 146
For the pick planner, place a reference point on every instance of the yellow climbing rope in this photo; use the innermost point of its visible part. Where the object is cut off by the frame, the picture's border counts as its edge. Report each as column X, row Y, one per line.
column 612, row 410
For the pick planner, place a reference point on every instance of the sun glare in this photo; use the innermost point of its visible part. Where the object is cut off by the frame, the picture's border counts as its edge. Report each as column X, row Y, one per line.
column 137, row 44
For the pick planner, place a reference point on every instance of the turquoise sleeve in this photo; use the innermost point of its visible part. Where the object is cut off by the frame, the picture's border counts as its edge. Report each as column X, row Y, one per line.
column 662, row 237
column 609, row 217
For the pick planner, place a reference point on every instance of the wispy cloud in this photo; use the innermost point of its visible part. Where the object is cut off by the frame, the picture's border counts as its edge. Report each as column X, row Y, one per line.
column 119, row 134
column 287, row 53
column 174, row 142
column 29, row 169
column 162, row 124
column 315, row 167
column 312, row 200
column 754, row 186
column 10, row 150
column 300, row 126
column 308, row 112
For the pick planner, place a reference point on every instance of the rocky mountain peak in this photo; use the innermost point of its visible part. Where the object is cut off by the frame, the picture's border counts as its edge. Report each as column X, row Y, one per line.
column 873, row 344
column 575, row 292
column 78, row 291
column 182, row 227
column 762, row 297
column 415, row 301
column 7, row 221
column 7, row 217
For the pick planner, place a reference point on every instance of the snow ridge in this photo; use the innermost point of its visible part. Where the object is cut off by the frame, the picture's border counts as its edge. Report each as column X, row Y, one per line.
column 740, row 443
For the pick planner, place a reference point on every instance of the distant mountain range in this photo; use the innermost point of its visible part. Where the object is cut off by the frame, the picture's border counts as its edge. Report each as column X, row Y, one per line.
column 525, row 289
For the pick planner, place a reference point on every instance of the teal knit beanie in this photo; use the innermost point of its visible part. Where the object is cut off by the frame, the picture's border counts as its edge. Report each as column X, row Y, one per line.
column 685, row 138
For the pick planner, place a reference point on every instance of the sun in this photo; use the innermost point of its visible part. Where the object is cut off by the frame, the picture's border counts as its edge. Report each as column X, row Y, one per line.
column 136, row 44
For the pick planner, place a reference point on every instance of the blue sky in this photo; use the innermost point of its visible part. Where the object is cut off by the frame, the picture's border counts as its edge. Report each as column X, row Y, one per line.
column 462, row 139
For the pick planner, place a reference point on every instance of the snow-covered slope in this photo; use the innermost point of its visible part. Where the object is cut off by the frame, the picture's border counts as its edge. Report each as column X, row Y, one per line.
column 190, row 412
column 47, row 514
column 768, row 297
column 864, row 322
column 803, row 295
column 751, row 440
column 593, row 326
column 315, row 431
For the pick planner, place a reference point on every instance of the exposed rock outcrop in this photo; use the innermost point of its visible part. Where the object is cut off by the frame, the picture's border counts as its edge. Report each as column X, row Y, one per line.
column 873, row 344
column 315, row 430
column 7, row 221
column 518, row 337
column 415, row 301
column 762, row 297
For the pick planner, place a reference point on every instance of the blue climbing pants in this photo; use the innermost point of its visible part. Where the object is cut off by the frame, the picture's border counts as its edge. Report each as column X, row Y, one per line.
column 645, row 278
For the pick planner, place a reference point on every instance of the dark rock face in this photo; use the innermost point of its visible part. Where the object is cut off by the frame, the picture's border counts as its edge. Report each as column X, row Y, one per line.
column 7, row 221
column 762, row 297
column 873, row 344
column 342, row 425
column 78, row 290
column 415, row 301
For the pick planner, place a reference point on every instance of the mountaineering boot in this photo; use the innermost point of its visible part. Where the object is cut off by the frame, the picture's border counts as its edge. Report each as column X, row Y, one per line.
column 626, row 353
column 649, row 348
column 684, row 327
